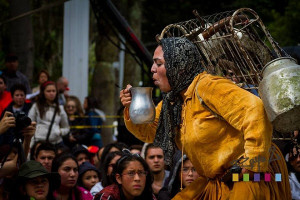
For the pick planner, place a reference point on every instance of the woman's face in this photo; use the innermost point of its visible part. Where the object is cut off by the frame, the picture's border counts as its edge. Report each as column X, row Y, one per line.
column 111, row 164
column 132, row 179
column 89, row 179
column 50, row 93
column 69, row 173
column 19, row 98
column 42, row 78
column 189, row 174
column 37, row 188
column 82, row 157
column 71, row 107
column 159, row 70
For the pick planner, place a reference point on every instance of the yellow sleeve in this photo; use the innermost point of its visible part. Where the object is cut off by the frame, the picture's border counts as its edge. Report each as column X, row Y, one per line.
column 243, row 111
column 144, row 132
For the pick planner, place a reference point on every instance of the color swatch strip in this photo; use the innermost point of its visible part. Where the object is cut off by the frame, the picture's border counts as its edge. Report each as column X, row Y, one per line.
column 257, row 177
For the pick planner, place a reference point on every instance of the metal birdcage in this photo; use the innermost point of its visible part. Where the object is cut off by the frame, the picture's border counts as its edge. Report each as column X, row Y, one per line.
column 237, row 45
column 233, row 44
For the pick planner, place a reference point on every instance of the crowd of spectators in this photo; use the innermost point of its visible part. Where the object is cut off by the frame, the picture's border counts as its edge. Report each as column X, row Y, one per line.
column 60, row 154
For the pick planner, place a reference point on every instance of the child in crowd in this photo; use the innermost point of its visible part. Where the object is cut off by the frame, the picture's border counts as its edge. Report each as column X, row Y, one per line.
column 132, row 180
column 89, row 175
column 66, row 165
column 81, row 154
column 18, row 104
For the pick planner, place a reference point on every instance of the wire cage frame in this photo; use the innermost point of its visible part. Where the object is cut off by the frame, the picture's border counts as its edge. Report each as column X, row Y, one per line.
column 234, row 44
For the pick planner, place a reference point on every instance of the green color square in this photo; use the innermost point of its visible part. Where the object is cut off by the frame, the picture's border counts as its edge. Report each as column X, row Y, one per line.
column 246, row 177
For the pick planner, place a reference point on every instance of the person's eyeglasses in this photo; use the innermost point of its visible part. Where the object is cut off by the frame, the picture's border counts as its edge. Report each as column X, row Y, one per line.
column 186, row 170
column 131, row 174
column 70, row 106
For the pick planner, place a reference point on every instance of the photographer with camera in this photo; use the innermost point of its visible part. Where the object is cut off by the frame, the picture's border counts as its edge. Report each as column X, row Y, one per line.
column 15, row 130
column 18, row 104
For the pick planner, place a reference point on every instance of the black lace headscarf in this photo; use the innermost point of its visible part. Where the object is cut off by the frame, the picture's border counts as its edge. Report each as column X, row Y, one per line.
column 182, row 62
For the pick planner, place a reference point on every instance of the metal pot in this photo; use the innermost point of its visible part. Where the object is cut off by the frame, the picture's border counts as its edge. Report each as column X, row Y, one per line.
column 142, row 109
column 280, row 93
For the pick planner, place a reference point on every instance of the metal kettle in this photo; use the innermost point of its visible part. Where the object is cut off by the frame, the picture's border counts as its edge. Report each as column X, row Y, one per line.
column 280, row 93
column 142, row 109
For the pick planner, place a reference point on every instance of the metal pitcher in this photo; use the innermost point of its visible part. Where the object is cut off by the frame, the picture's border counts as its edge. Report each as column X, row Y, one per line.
column 142, row 109
column 280, row 93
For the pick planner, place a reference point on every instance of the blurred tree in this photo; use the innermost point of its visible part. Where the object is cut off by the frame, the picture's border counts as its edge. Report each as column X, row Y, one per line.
column 147, row 18
column 280, row 16
column 103, row 79
column 48, row 26
column 132, row 11
column 21, row 36
column 107, row 51
column 285, row 25
column 158, row 14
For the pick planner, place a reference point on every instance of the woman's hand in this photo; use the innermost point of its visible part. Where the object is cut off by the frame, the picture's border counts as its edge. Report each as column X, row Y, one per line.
column 125, row 96
column 7, row 122
column 29, row 131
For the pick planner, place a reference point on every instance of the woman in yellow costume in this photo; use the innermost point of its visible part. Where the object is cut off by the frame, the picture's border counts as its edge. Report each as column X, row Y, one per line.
column 217, row 125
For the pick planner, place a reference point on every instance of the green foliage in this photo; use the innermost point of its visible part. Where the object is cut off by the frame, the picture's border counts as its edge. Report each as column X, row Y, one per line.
column 158, row 14
column 285, row 27
column 280, row 16
column 48, row 40
column 4, row 6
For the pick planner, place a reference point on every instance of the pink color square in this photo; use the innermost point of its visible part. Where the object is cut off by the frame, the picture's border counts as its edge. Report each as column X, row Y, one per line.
column 267, row 177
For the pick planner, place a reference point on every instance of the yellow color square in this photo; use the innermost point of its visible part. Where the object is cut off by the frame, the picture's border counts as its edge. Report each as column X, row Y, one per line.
column 235, row 177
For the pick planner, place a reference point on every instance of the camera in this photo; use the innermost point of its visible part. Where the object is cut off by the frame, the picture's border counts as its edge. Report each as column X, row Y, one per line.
column 22, row 121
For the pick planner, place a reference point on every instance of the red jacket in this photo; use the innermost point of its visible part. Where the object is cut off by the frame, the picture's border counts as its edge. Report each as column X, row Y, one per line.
column 5, row 100
column 111, row 192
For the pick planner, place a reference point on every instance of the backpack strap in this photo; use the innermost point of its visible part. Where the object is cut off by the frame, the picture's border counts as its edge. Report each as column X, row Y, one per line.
column 205, row 106
column 51, row 124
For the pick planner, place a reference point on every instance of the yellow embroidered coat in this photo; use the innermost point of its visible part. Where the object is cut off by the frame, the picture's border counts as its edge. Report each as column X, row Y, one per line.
column 213, row 143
